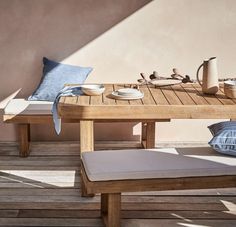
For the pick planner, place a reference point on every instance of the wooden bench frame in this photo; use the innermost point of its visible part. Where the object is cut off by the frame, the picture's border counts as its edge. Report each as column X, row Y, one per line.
column 111, row 190
column 25, row 121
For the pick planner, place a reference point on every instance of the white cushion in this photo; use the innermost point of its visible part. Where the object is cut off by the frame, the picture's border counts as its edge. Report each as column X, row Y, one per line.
column 156, row 163
column 22, row 106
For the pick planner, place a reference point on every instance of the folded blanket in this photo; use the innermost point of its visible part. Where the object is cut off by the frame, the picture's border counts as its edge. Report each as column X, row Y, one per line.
column 66, row 91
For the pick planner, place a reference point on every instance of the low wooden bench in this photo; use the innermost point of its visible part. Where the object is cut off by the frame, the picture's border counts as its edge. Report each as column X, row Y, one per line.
column 113, row 172
column 24, row 113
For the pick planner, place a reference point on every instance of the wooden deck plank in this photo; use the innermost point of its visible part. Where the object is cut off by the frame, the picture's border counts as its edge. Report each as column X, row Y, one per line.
column 53, row 213
column 125, row 206
column 178, row 222
column 50, row 222
column 50, row 196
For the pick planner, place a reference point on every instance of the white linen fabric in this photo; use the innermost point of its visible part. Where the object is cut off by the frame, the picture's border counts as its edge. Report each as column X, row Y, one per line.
column 22, row 106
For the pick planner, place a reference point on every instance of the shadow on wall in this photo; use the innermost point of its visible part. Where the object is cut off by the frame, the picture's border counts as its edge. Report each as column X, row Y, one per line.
column 55, row 29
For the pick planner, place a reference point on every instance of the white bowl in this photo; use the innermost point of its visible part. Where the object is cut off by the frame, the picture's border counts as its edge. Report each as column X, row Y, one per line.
column 93, row 89
column 230, row 83
column 230, row 88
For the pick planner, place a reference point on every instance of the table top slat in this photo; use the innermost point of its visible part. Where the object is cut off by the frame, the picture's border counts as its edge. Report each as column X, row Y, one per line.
column 70, row 99
column 159, row 97
column 109, row 88
column 96, row 100
column 211, row 99
column 194, row 94
column 183, row 95
column 171, row 96
column 147, row 99
column 62, row 99
column 223, row 99
column 83, row 100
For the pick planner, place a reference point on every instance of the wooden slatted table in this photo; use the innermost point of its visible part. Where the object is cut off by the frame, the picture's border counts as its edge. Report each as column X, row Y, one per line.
column 184, row 101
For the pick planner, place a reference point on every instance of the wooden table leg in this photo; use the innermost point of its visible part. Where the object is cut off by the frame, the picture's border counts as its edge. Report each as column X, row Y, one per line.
column 148, row 134
column 111, row 209
column 143, row 133
column 86, row 144
column 86, row 136
column 24, row 139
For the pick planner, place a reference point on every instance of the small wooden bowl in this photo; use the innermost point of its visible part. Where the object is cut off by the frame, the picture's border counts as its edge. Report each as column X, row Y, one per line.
column 230, row 88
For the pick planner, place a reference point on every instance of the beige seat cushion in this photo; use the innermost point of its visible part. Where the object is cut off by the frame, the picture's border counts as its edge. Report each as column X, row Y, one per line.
column 156, row 163
column 22, row 106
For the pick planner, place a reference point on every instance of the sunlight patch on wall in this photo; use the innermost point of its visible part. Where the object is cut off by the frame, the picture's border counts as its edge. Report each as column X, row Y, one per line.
column 5, row 101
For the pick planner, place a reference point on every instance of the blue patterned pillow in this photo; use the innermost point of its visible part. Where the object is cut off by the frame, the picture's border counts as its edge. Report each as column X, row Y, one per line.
column 224, row 137
column 55, row 76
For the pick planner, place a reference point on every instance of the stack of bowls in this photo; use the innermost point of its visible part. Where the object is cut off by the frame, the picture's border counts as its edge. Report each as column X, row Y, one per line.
column 230, row 88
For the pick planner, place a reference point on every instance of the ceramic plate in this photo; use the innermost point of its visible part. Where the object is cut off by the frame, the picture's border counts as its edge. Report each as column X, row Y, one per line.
column 128, row 92
column 115, row 95
column 160, row 83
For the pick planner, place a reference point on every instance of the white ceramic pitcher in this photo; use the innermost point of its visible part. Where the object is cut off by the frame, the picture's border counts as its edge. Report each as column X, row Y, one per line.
column 210, row 84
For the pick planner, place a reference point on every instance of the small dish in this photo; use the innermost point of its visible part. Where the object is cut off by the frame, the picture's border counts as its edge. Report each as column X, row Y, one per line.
column 230, row 88
column 93, row 89
column 116, row 95
column 160, row 83
column 128, row 92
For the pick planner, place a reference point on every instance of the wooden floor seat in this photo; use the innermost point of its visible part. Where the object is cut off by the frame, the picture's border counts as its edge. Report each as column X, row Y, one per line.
column 113, row 172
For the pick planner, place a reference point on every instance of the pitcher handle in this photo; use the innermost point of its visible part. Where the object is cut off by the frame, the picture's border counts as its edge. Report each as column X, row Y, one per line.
column 198, row 74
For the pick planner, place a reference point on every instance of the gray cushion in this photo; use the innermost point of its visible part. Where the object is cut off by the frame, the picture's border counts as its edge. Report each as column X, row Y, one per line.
column 55, row 76
column 156, row 163
column 224, row 137
column 25, row 107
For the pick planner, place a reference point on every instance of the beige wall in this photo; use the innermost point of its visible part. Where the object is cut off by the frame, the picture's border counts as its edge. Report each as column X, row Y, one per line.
column 119, row 39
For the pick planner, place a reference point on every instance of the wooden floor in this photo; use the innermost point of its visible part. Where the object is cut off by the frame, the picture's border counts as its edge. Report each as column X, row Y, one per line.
column 44, row 190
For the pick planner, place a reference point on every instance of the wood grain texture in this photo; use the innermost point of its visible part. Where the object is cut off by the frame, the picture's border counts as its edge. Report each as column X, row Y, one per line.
column 150, row 135
column 184, row 101
column 111, row 209
column 86, row 135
